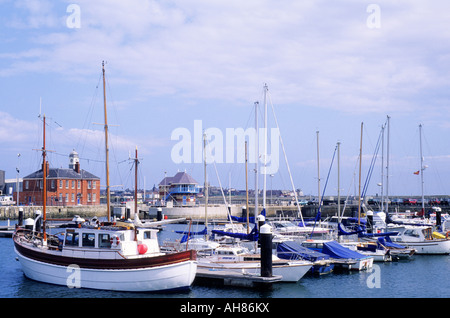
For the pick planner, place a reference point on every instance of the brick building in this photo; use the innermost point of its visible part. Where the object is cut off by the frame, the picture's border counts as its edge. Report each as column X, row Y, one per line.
column 65, row 187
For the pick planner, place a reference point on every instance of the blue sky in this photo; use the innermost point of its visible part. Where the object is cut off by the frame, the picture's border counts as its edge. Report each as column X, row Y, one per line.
column 329, row 66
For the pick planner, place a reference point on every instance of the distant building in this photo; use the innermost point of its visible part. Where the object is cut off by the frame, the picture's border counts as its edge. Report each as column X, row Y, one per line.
column 181, row 188
column 65, row 187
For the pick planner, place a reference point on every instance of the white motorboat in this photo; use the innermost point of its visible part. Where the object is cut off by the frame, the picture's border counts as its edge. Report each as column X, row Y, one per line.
column 422, row 240
column 239, row 259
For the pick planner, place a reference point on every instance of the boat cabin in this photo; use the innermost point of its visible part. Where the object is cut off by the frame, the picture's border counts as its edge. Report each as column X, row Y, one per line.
column 109, row 242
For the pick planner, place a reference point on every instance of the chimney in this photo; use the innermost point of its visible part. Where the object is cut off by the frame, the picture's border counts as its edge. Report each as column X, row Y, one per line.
column 77, row 167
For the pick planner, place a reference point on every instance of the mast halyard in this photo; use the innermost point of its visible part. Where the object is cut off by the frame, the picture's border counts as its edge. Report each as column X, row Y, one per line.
column 108, row 190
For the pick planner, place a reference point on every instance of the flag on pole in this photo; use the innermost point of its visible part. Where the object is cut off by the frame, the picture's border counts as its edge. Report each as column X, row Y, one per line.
column 417, row 172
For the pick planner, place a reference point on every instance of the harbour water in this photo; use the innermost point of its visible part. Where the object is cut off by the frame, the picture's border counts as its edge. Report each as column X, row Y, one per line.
column 422, row 277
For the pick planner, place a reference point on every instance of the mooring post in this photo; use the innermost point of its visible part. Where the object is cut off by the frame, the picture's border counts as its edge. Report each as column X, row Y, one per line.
column 266, row 250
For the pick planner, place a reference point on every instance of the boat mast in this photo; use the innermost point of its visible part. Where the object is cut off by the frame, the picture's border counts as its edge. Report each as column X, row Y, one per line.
column 265, row 147
column 382, row 168
column 44, row 186
column 339, row 181
column 246, row 187
column 387, row 164
column 360, row 162
column 256, row 158
column 205, row 188
column 318, row 170
column 422, row 168
column 136, row 161
column 108, row 190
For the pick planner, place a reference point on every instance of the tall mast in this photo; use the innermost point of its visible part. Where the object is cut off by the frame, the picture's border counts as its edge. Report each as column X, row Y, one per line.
column 360, row 162
column 108, row 191
column 136, row 161
column 338, row 179
column 205, row 188
column 246, row 187
column 422, row 168
column 44, row 186
column 265, row 147
column 387, row 164
column 382, row 168
column 318, row 170
column 256, row 158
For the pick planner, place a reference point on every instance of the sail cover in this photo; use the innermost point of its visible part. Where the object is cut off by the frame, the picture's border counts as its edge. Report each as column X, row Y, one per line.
column 251, row 219
column 294, row 251
column 252, row 236
column 336, row 250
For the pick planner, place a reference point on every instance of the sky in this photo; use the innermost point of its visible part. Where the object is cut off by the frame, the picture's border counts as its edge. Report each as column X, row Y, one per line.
column 174, row 68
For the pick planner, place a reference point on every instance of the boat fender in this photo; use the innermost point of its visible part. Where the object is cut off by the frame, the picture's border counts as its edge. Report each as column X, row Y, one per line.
column 447, row 234
column 142, row 248
column 115, row 240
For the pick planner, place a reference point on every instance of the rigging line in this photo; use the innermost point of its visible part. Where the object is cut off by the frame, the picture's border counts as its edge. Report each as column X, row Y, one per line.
column 372, row 166
column 220, row 184
column 323, row 192
column 285, row 158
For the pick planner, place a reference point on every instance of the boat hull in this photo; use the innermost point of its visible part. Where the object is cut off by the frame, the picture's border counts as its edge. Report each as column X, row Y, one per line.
column 432, row 247
column 152, row 274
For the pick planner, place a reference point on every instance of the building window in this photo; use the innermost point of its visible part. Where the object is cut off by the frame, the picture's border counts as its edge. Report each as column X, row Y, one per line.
column 94, row 184
column 67, row 184
column 73, row 184
column 89, row 197
column 79, row 184
column 60, row 198
column 27, row 185
column 73, row 197
column 53, row 184
column 60, row 184
column 89, row 184
column 67, row 197
column 94, row 197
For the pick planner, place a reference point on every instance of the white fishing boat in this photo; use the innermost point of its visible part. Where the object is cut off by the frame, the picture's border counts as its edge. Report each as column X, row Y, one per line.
column 118, row 257
column 240, row 259
column 110, row 256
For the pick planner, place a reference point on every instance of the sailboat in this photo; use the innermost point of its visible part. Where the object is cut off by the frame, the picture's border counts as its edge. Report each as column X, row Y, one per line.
column 119, row 256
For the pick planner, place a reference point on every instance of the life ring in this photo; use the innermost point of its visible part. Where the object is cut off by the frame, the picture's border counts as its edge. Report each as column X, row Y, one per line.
column 447, row 234
column 114, row 240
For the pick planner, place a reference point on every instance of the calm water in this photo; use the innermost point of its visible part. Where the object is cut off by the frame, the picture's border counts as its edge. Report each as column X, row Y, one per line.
column 421, row 277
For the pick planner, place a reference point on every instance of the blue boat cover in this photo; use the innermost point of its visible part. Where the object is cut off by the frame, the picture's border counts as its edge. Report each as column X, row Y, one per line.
column 388, row 242
column 188, row 234
column 336, row 250
column 251, row 219
column 294, row 251
column 252, row 236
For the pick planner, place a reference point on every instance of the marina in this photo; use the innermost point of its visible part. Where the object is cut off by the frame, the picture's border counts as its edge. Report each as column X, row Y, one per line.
column 386, row 280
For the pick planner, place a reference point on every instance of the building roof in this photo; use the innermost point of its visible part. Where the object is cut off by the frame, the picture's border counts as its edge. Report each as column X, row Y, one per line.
column 60, row 173
column 179, row 178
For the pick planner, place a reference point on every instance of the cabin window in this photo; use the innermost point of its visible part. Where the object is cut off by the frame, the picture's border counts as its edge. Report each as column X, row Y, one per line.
column 89, row 239
column 147, row 235
column 104, row 240
column 411, row 233
column 71, row 239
